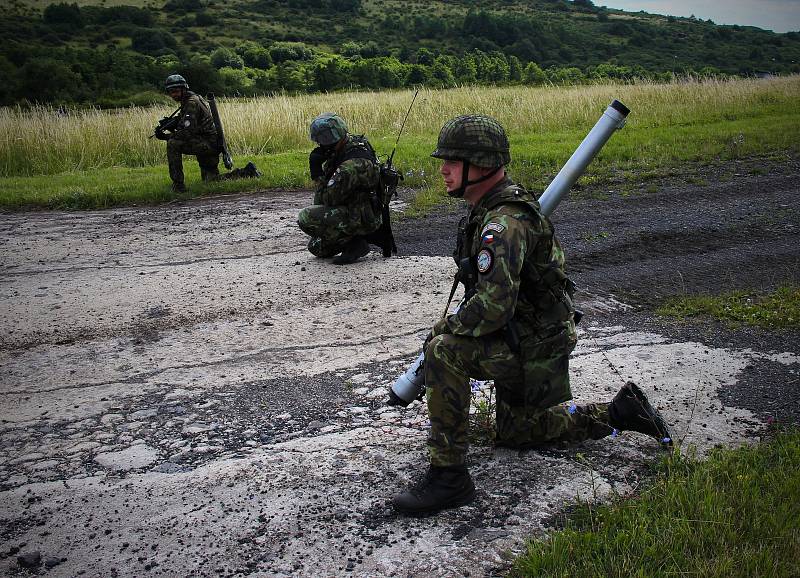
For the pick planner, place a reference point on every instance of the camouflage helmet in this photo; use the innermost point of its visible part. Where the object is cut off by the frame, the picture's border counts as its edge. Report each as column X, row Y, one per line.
column 477, row 139
column 175, row 81
column 327, row 129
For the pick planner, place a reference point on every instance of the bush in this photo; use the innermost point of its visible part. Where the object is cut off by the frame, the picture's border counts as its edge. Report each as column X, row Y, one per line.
column 204, row 19
column 47, row 79
column 114, row 14
column 152, row 41
column 63, row 15
column 254, row 55
column 182, row 5
column 226, row 58
column 286, row 51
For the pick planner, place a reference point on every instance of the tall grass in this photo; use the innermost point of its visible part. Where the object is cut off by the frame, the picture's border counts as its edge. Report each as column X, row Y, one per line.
column 43, row 141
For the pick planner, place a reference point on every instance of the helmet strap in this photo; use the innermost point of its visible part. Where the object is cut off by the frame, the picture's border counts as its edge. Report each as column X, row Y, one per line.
column 462, row 189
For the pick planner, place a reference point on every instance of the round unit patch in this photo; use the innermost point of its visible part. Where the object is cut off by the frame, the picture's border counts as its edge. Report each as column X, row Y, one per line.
column 485, row 260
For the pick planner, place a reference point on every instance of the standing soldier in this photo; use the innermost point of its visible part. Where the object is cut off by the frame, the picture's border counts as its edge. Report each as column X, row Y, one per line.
column 516, row 326
column 347, row 175
column 193, row 133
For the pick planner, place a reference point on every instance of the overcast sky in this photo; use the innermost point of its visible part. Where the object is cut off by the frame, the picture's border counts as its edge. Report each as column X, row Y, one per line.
column 776, row 15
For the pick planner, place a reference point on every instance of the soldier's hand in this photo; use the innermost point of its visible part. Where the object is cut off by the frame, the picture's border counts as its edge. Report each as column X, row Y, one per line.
column 439, row 328
column 316, row 159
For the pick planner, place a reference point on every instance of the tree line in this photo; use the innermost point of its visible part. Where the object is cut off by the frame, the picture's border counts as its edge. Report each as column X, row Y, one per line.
column 116, row 55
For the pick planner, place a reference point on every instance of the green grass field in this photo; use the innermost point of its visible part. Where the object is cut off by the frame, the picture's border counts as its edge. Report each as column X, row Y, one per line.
column 94, row 159
column 735, row 514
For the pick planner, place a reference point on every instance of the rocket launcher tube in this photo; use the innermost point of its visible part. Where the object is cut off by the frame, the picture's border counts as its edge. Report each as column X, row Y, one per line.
column 411, row 384
column 613, row 118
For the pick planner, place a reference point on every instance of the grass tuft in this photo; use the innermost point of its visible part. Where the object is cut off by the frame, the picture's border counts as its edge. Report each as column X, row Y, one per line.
column 734, row 515
column 777, row 310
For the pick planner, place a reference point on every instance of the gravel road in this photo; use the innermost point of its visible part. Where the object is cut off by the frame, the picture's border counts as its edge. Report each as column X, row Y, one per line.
column 186, row 391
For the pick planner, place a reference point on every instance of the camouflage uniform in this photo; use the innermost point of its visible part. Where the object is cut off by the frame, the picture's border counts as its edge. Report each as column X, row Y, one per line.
column 195, row 135
column 345, row 205
column 515, row 326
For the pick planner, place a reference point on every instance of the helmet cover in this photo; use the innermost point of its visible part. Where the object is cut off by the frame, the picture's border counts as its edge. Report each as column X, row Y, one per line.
column 175, row 81
column 327, row 129
column 477, row 139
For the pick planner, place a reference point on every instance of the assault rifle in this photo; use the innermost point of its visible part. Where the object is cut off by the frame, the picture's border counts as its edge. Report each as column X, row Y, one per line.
column 167, row 125
column 390, row 177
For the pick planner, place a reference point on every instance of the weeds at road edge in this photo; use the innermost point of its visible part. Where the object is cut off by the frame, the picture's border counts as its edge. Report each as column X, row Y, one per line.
column 735, row 514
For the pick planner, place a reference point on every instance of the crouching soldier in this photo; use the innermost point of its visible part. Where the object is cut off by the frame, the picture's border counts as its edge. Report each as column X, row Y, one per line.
column 346, row 211
column 190, row 130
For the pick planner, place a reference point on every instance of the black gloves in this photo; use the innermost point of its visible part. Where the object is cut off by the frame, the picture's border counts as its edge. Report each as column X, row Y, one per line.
column 316, row 159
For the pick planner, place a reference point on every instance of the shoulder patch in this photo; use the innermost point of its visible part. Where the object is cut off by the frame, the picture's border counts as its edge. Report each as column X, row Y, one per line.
column 333, row 177
column 496, row 227
column 485, row 260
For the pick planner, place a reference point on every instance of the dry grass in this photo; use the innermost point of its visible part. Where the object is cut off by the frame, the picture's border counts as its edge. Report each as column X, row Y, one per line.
column 43, row 141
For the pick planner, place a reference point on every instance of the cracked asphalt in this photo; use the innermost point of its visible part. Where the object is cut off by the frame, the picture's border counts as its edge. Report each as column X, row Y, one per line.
column 186, row 391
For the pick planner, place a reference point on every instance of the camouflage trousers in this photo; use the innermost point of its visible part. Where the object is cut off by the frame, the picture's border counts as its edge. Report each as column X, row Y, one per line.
column 205, row 151
column 330, row 228
column 450, row 361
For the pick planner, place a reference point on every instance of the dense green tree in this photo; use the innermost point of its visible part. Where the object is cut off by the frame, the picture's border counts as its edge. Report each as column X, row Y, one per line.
column 441, row 74
column 223, row 57
column 105, row 52
column 47, row 79
column 254, row 55
column 152, row 41
column 465, row 70
column 236, row 81
column 286, row 51
column 417, row 75
column 533, row 74
column 62, row 14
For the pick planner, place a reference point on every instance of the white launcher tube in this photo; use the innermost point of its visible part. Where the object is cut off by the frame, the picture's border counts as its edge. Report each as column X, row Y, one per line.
column 613, row 118
column 411, row 384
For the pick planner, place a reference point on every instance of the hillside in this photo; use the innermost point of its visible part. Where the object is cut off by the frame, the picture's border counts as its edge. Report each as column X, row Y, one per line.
column 106, row 52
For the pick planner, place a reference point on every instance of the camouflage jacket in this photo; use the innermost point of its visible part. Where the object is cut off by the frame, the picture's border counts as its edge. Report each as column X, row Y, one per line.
column 351, row 177
column 196, row 119
column 515, row 269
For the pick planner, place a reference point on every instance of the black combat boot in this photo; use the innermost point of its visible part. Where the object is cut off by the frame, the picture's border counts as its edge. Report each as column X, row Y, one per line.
column 251, row 171
column 353, row 251
column 630, row 410
column 442, row 487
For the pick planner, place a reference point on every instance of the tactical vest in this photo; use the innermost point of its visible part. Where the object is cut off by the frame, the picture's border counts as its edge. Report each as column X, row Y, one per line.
column 205, row 122
column 545, row 294
column 357, row 147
